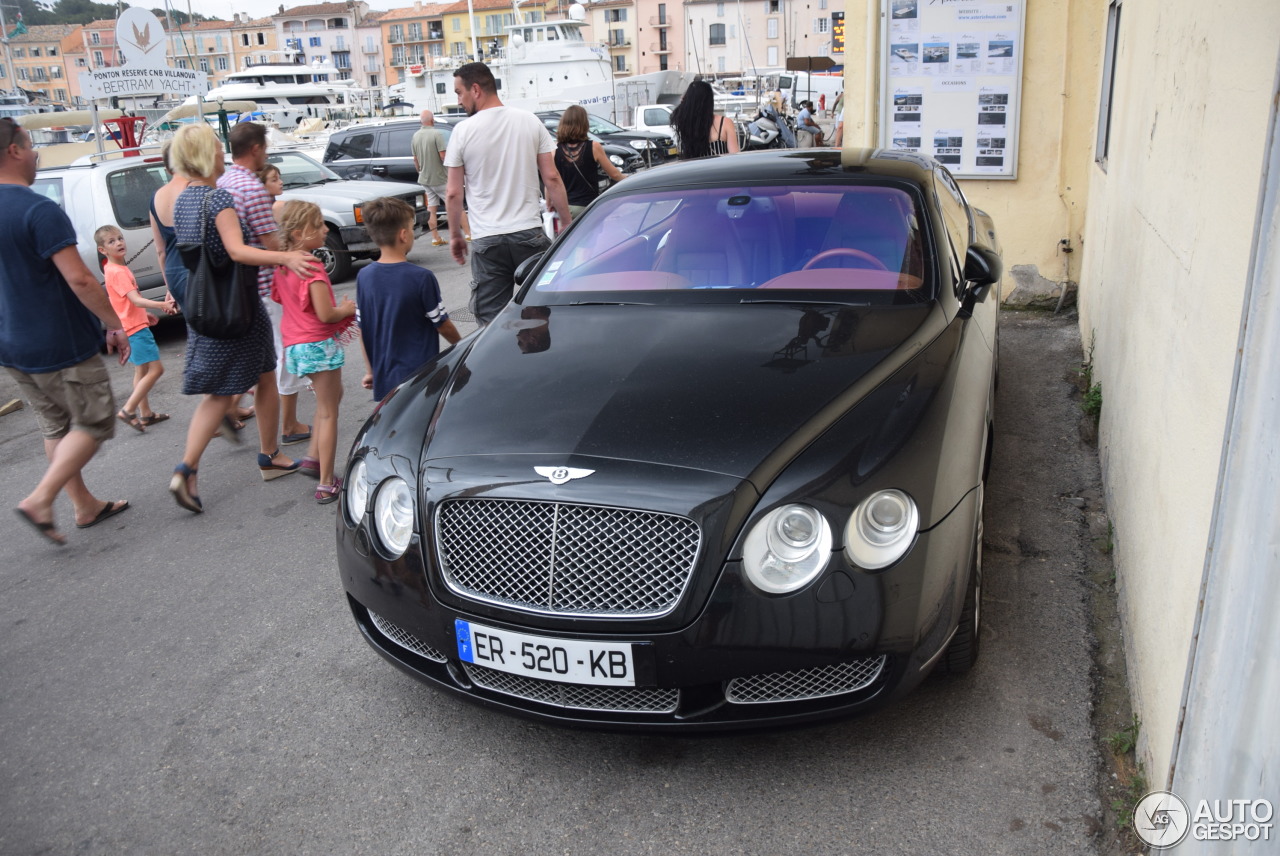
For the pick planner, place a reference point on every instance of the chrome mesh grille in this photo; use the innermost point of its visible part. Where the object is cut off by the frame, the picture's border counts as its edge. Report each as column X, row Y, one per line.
column 566, row 559
column 405, row 639
column 576, row 696
column 803, row 684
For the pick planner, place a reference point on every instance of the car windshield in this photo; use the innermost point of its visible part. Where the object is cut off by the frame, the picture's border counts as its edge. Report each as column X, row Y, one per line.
column 298, row 170
column 693, row 244
column 601, row 126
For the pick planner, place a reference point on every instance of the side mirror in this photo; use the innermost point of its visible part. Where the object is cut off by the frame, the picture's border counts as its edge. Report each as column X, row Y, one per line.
column 522, row 270
column 982, row 266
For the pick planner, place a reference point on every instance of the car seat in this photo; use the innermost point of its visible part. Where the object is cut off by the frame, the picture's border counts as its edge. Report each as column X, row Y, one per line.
column 701, row 248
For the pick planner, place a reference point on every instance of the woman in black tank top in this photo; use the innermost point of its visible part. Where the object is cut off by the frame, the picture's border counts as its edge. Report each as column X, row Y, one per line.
column 699, row 131
column 579, row 160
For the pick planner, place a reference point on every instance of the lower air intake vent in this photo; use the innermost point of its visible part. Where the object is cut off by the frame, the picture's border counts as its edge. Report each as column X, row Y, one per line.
column 804, row 684
column 405, row 639
column 576, row 696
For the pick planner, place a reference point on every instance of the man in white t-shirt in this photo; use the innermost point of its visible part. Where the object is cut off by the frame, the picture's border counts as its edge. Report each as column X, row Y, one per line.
column 498, row 155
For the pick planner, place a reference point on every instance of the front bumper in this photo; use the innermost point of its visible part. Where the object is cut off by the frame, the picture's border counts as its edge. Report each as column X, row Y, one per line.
column 357, row 240
column 851, row 642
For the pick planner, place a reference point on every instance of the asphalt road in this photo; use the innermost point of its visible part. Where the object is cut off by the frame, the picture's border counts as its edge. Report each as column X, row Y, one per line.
column 173, row 683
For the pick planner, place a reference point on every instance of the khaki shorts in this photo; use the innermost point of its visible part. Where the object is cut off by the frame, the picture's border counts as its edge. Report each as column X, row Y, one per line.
column 76, row 397
column 435, row 195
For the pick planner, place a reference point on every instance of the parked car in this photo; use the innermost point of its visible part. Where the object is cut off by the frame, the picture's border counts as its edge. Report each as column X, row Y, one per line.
column 653, row 148
column 382, row 151
column 718, row 465
column 100, row 191
column 377, row 150
column 654, row 118
column 340, row 201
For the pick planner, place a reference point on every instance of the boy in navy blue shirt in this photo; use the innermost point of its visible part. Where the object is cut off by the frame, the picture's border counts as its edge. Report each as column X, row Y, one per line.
column 399, row 304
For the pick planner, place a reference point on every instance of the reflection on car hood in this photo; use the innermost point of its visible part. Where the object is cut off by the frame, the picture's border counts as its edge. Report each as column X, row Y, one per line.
column 714, row 387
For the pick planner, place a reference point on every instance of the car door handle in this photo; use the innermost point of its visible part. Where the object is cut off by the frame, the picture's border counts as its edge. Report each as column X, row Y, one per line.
column 379, row 170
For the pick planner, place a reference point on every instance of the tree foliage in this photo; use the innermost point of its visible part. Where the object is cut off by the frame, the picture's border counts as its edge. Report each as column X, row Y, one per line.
column 82, row 12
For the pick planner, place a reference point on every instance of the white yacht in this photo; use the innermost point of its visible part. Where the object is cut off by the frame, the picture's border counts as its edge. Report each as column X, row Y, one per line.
column 546, row 65
column 288, row 91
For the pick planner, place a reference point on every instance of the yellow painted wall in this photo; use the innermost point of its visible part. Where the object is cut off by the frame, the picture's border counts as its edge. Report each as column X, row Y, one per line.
column 1059, row 95
column 1168, row 243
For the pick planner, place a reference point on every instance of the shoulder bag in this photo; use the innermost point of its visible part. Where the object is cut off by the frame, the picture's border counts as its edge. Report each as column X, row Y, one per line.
column 220, row 298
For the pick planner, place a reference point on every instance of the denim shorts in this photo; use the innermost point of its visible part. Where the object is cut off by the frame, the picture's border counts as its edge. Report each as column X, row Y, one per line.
column 314, row 357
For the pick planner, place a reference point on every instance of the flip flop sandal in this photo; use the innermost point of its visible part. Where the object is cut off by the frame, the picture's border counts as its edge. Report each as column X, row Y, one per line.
column 47, row 530
column 132, row 420
column 111, row 509
column 148, row 421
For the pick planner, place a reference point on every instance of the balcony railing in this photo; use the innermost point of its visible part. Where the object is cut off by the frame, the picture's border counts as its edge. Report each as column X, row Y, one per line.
column 619, row 43
column 659, row 49
column 369, row 49
column 660, row 21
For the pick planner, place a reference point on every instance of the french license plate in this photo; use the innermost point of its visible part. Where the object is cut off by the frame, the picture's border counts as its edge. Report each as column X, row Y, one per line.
column 570, row 661
column 672, row 152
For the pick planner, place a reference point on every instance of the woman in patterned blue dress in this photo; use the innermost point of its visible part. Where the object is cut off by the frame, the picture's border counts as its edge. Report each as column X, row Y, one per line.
column 221, row 369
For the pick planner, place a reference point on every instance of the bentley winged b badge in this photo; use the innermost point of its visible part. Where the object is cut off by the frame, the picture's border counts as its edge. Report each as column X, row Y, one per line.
column 560, row 475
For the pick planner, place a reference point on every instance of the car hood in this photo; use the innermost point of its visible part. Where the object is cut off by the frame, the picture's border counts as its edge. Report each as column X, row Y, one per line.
column 714, row 387
column 350, row 191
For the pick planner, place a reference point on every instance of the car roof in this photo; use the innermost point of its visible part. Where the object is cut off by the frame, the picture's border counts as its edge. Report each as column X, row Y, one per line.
column 786, row 166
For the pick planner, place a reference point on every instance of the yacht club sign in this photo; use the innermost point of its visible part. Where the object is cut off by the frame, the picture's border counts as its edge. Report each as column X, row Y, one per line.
column 143, row 42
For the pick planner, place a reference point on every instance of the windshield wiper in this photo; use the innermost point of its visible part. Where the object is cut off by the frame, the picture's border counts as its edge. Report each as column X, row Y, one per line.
column 796, row 300
column 608, row 303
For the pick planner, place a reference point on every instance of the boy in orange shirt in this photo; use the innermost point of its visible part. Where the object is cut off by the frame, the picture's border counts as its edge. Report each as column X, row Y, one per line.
column 132, row 308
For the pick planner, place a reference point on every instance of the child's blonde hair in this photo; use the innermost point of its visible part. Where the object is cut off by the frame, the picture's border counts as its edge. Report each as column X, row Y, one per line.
column 104, row 234
column 297, row 216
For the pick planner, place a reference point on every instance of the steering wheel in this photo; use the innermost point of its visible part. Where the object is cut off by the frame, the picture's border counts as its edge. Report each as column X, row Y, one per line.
column 873, row 262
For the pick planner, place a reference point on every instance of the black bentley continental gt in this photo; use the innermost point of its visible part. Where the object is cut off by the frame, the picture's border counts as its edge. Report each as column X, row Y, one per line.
column 719, row 464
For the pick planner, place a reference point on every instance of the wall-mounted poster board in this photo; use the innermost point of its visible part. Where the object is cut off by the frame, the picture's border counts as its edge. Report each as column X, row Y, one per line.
column 951, row 82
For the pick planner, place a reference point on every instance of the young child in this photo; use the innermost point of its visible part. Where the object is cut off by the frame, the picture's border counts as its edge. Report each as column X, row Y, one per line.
column 269, row 175
column 400, row 304
column 314, row 331
column 132, row 308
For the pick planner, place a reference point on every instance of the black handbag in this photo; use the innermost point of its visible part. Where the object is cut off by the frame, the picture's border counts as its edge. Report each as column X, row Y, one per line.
column 221, row 299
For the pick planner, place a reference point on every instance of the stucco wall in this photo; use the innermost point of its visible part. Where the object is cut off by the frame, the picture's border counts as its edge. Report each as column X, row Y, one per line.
column 1166, row 252
column 1045, row 204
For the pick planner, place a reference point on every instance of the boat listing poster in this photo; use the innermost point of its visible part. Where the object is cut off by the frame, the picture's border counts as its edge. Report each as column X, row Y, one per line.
column 952, row 81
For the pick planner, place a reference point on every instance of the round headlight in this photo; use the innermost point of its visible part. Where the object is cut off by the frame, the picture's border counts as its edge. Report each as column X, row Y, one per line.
column 881, row 529
column 641, row 144
column 616, row 160
column 393, row 514
column 787, row 549
column 357, row 491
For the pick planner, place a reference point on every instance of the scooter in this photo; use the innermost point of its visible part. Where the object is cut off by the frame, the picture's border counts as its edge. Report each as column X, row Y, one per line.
column 768, row 130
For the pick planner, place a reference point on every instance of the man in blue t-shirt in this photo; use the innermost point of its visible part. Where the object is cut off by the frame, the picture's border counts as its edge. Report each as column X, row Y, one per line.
column 399, row 306
column 50, row 306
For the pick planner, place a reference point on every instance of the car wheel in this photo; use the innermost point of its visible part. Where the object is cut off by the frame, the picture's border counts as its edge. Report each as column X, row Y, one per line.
column 962, row 653
column 334, row 256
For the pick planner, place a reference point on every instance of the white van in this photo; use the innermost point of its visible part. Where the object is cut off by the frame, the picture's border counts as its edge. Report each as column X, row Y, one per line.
column 116, row 192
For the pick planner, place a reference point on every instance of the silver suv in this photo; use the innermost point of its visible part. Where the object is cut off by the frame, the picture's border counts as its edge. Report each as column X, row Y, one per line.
column 96, row 192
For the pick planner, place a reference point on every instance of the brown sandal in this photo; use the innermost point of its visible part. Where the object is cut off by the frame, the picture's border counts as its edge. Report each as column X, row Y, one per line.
column 132, row 420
